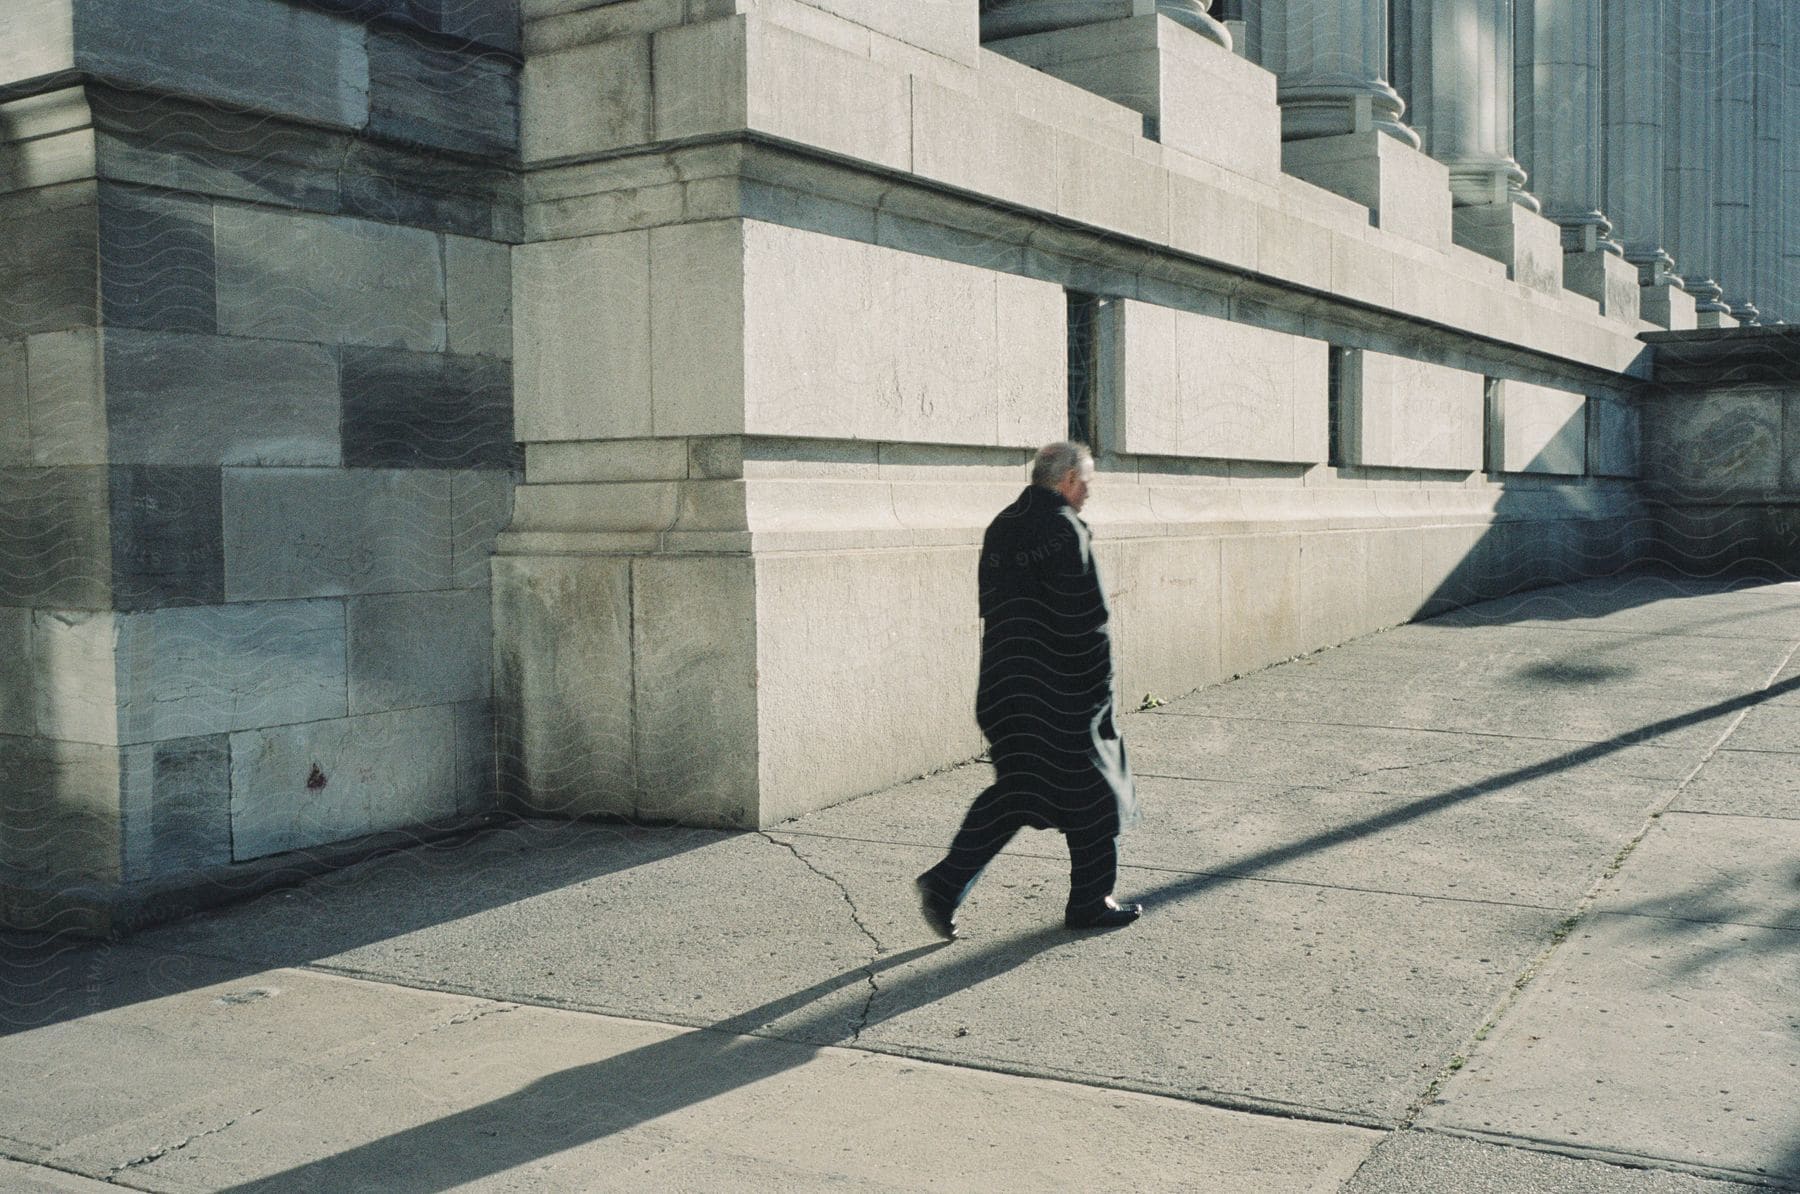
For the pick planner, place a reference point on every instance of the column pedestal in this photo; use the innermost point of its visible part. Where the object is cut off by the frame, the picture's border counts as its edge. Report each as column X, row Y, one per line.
column 1406, row 192
column 1607, row 278
column 1667, row 305
column 1526, row 243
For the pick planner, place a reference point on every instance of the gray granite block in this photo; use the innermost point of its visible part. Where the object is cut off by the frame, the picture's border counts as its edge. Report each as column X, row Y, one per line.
column 206, row 49
column 481, row 504
column 15, row 405
column 442, row 98
column 54, row 545
column 426, row 410
column 47, row 266
column 213, row 400
column 167, row 541
column 17, row 672
column 216, row 668
column 493, row 24
column 477, row 770
column 59, row 811
column 411, row 649
column 478, row 296
column 67, row 397
column 306, row 785
column 329, row 532
column 156, row 261
column 177, row 806
column 298, row 276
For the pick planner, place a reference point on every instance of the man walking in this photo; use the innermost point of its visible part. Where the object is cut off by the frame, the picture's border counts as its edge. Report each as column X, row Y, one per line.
column 1045, row 701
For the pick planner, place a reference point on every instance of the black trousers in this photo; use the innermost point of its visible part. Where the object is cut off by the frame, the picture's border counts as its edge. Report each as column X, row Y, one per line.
column 999, row 813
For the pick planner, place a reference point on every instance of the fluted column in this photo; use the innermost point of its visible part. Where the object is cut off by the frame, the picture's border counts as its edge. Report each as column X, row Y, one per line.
column 1691, row 219
column 1734, row 145
column 1453, row 63
column 1769, row 201
column 1557, row 133
column 1640, row 73
column 1790, row 158
column 1330, row 59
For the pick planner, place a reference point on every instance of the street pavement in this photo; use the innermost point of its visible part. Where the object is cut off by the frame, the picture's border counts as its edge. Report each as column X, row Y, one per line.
column 1508, row 900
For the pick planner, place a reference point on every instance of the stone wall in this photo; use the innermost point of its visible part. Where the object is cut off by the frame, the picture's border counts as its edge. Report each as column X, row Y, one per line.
column 255, row 433
column 1722, row 451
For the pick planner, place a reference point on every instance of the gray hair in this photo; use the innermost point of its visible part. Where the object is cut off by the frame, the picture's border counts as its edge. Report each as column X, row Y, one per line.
column 1054, row 461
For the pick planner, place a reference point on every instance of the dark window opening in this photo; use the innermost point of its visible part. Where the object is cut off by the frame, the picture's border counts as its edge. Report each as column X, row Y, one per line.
column 1084, row 366
column 1334, row 407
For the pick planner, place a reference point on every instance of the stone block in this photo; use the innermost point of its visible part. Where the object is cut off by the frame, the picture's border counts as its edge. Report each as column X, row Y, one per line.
column 492, row 25
column 298, row 786
column 1393, row 591
column 694, row 660
column 1541, row 430
column 1790, row 443
column 1615, row 438
column 74, row 663
column 1031, row 339
column 167, row 542
column 1165, row 623
column 1729, row 441
column 1667, row 305
column 49, row 268
column 1110, row 189
column 947, row 30
column 481, row 504
column 213, row 400
column 442, row 98
column 156, row 261
column 49, row 139
column 426, row 410
column 39, row 39
column 747, row 72
column 176, row 806
column 59, row 812
column 1407, row 192
column 1211, row 223
column 477, row 771
column 18, row 682
column 1292, row 249
column 1334, row 584
column 586, row 100
column 327, row 532
column 698, row 287
column 399, row 185
column 1529, row 245
column 410, row 649
column 198, row 49
column 563, row 680
column 1401, row 413
column 583, row 333
column 865, row 342
column 1608, row 279
column 608, row 460
column 1259, row 601
column 217, row 668
column 1192, row 385
column 824, row 624
column 55, row 538
column 297, row 276
column 67, row 381
column 478, row 296
column 960, row 141
column 15, row 405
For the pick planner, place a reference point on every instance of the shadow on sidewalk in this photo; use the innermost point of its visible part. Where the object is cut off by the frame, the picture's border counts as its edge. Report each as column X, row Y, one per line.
column 590, row 1102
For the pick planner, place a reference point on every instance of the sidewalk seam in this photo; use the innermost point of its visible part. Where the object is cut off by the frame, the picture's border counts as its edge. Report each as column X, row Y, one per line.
column 862, row 1019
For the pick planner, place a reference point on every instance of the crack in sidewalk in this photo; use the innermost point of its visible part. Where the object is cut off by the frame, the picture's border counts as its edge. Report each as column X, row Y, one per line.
column 862, row 1019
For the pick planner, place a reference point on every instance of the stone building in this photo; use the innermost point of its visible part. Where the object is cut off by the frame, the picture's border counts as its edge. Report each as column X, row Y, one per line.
column 414, row 407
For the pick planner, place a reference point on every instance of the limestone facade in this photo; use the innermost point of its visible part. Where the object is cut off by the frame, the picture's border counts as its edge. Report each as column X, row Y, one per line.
column 593, row 406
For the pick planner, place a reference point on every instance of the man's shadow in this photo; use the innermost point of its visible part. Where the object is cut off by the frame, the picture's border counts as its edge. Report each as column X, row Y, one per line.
column 585, row 1103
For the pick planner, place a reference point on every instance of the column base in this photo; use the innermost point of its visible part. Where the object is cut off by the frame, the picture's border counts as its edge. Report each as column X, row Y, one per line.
column 1715, row 319
column 1606, row 278
column 1407, row 192
column 1529, row 245
column 1667, row 305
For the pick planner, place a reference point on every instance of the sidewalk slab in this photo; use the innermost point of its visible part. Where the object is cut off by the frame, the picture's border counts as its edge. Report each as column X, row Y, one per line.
column 1672, row 1037
column 504, row 1097
column 19, row 1178
column 1745, row 783
column 1427, row 1163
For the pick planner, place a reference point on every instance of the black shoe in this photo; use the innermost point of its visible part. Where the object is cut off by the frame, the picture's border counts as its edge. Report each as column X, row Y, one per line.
column 939, row 910
column 1107, row 915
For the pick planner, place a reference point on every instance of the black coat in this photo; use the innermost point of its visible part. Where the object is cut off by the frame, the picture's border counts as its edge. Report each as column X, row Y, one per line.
column 1045, row 697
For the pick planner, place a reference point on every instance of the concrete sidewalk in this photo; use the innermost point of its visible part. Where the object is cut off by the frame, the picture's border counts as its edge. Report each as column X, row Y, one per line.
column 1506, row 901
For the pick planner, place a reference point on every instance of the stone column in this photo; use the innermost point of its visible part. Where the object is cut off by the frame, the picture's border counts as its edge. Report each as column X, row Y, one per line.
column 1768, row 236
column 1558, row 64
column 1453, row 63
column 1734, row 166
column 1332, row 63
column 1691, row 219
column 1638, row 79
column 1789, row 290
